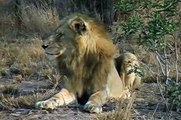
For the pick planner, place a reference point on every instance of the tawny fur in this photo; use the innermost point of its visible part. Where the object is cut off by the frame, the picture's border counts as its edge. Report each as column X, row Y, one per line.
column 128, row 66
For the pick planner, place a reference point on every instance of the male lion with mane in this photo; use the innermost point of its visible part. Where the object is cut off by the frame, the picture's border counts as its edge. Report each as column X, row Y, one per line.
column 86, row 55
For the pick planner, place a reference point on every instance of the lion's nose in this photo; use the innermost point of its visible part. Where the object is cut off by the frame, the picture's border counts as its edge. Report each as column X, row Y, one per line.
column 44, row 46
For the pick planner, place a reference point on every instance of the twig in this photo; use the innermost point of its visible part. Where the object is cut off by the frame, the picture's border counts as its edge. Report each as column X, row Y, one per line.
column 163, row 97
column 155, row 110
column 176, row 57
column 165, row 73
column 158, row 57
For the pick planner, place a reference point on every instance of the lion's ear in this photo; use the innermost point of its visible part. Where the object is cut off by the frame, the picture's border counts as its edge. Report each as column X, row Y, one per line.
column 78, row 25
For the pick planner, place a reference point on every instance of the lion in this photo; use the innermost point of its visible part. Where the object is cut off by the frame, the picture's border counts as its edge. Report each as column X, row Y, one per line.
column 86, row 55
column 129, row 70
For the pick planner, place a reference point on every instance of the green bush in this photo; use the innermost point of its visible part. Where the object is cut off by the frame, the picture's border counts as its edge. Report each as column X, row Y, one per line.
column 161, row 19
column 132, row 25
column 154, row 32
column 174, row 94
column 126, row 6
column 151, row 21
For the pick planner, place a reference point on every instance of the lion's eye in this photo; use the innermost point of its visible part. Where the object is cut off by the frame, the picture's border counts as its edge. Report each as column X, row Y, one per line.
column 59, row 35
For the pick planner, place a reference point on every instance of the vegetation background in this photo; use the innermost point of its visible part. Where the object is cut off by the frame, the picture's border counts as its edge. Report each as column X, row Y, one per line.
column 148, row 28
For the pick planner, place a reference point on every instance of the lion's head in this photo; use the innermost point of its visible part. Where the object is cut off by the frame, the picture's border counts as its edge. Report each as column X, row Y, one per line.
column 130, row 62
column 78, row 34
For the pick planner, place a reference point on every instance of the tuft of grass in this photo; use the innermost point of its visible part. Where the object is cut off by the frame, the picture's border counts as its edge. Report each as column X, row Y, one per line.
column 46, row 21
column 12, row 98
column 22, row 58
column 12, row 102
column 122, row 111
column 26, row 23
column 11, row 90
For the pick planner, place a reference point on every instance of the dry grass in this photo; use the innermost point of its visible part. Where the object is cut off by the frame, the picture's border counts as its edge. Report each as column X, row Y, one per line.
column 11, row 102
column 31, row 21
column 19, row 62
column 21, row 56
column 11, row 90
column 122, row 111
column 41, row 20
column 20, row 47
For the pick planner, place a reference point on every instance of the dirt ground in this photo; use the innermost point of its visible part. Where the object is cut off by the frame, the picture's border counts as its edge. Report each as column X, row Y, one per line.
column 148, row 105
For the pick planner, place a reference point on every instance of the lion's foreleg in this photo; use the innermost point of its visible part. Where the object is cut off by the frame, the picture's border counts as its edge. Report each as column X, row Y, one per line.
column 96, row 101
column 137, row 82
column 64, row 97
column 122, row 76
column 130, row 80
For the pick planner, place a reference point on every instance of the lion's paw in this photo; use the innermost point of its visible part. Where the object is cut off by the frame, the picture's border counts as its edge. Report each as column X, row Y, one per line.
column 92, row 108
column 45, row 105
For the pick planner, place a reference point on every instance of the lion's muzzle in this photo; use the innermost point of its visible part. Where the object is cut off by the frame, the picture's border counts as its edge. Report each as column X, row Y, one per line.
column 44, row 46
column 53, row 52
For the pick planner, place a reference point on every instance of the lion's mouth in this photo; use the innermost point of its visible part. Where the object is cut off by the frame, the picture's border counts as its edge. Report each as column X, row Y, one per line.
column 54, row 54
